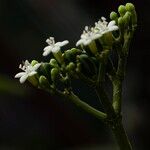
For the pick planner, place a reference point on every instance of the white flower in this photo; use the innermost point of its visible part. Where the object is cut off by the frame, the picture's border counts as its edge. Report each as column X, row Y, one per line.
column 28, row 69
column 53, row 47
column 102, row 26
column 87, row 36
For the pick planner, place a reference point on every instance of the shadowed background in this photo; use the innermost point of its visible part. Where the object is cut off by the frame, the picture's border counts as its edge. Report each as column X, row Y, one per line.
column 31, row 119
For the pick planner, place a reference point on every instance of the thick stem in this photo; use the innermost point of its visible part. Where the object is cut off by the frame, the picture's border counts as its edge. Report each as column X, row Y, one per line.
column 117, row 96
column 121, row 137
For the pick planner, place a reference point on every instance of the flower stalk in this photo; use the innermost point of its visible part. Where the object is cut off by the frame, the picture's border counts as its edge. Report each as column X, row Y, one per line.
column 91, row 62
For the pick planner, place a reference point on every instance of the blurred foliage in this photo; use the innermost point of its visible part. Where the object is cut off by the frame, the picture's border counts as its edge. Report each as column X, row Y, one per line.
column 10, row 86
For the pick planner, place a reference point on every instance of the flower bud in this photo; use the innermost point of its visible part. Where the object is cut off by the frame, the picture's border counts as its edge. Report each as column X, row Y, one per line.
column 121, row 24
column 54, row 74
column 130, row 7
column 44, row 82
column 78, row 69
column 75, row 51
column 113, row 15
column 53, row 63
column 70, row 67
column 70, row 55
column 34, row 62
column 122, row 10
column 126, row 18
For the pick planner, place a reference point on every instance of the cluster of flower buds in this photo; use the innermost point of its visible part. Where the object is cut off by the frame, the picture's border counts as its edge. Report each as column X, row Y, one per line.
column 126, row 19
column 95, row 45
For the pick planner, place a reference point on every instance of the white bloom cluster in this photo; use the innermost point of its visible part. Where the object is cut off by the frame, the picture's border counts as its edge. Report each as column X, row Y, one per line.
column 28, row 69
column 101, row 27
column 53, row 47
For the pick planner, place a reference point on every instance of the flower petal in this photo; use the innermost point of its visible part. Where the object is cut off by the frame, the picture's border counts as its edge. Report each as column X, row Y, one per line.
column 32, row 73
column 87, row 42
column 63, row 43
column 36, row 66
column 47, row 48
column 46, row 52
column 55, row 49
column 81, row 41
column 20, row 74
column 113, row 28
column 23, row 78
column 111, row 23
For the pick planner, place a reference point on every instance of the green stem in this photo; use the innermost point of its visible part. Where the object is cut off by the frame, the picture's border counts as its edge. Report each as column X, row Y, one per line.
column 75, row 99
column 121, row 137
column 105, row 101
column 117, row 95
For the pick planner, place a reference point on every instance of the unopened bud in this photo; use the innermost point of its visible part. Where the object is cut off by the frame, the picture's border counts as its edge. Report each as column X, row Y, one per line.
column 44, row 82
column 130, row 7
column 121, row 25
column 53, row 63
column 54, row 74
column 71, row 66
column 122, row 10
column 34, row 62
column 113, row 15
column 126, row 18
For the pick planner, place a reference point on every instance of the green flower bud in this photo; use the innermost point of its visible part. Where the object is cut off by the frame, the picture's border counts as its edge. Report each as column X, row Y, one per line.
column 78, row 69
column 113, row 15
column 75, row 51
column 68, row 56
column 122, row 10
column 126, row 18
column 71, row 66
column 53, row 63
column 54, row 74
column 130, row 7
column 121, row 24
column 34, row 62
column 44, row 82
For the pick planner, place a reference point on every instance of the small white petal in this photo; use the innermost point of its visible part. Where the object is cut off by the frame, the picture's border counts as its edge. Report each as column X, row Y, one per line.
column 23, row 78
column 47, row 48
column 111, row 23
column 18, row 75
column 60, row 44
column 103, row 18
column 113, row 28
column 46, row 52
column 32, row 73
column 56, row 49
column 79, row 42
column 36, row 66
column 87, row 42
